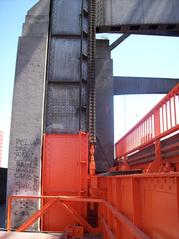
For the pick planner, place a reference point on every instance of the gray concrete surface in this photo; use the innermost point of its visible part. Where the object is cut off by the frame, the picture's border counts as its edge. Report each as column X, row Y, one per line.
column 37, row 20
column 24, row 166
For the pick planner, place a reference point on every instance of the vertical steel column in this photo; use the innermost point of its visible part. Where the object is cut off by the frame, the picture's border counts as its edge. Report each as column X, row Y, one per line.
column 67, row 69
column 67, row 113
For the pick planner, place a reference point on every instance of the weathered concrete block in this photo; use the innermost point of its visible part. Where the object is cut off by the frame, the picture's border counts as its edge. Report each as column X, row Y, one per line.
column 24, row 167
column 102, row 50
column 37, row 20
column 37, row 29
column 39, row 10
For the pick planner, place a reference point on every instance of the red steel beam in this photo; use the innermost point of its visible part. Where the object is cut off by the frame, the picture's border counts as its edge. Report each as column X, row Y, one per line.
column 61, row 198
column 80, row 219
column 139, row 234
column 107, row 229
column 43, row 210
column 36, row 215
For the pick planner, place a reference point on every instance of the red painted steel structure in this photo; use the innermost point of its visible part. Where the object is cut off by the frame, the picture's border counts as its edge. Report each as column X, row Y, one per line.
column 65, row 172
column 139, row 206
column 50, row 202
column 161, row 122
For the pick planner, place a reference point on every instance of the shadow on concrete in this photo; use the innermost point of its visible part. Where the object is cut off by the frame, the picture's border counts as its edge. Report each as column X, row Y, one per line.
column 36, row 18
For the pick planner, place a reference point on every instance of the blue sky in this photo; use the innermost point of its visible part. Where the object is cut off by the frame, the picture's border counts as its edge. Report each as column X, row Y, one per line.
column 136, row 56
column 12, row 16
column 149, row 56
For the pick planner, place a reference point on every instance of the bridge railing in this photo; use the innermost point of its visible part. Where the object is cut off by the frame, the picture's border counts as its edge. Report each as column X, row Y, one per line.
column 50, row 201
column 161, row 121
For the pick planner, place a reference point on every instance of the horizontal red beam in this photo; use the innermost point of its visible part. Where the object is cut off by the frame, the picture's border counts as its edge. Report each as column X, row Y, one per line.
column 61, row 198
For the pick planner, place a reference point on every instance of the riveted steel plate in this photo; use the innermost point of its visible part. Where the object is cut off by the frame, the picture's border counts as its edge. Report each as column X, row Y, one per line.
column 83, row 107
column 67, row 69
column 85, row 25
column 100, row 12
column 84, row 70
column 62, row 109
column 65, row 60
column 64, row 21
column 83, row 122
column 83, row 95
column 85, row 46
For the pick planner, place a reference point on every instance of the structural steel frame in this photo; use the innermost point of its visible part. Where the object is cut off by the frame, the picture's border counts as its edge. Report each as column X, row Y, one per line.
column 51, row 201
column 132, row 215
column 64, row 200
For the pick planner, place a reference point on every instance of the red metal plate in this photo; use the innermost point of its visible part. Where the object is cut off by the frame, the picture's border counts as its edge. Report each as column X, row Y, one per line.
column 65, row 172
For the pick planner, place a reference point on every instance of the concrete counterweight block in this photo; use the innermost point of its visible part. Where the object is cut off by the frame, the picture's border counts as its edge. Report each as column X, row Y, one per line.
column 24, row 166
